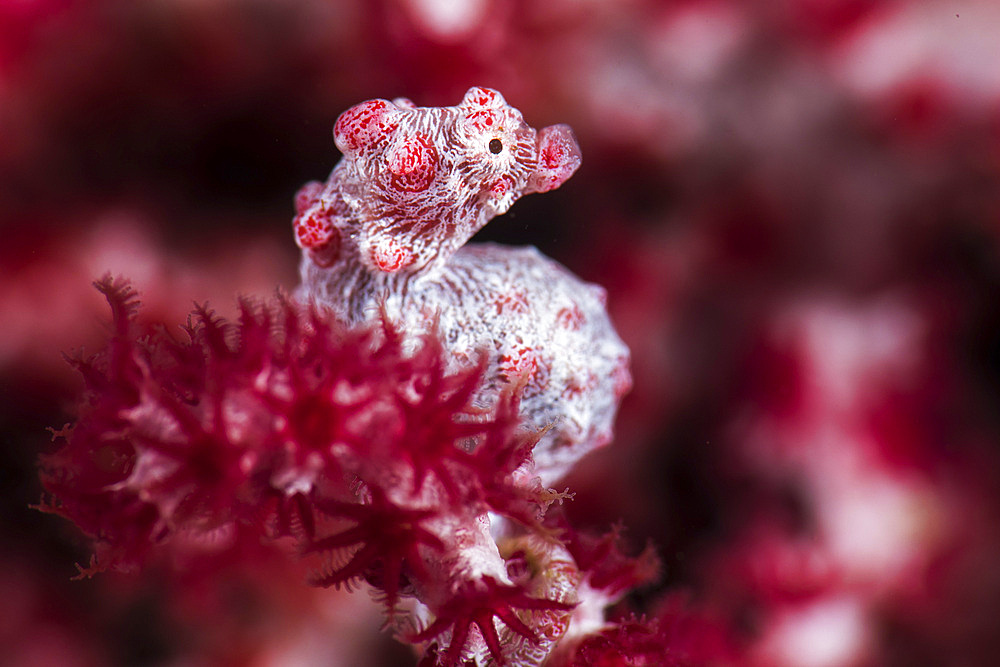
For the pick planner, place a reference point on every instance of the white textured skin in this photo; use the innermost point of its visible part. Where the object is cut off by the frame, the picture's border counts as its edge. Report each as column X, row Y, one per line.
column 572, row 386
column 370, row 244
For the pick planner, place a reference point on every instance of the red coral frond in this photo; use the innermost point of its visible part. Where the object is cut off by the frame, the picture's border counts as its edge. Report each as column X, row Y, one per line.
column 114, row 373
column 389, row 537
column 440, row 418
column 478, row 603
column 122, row 298
column 124, row 527
column 607, row 565
column 630, row 643
column 501, row 465
column 680, row 635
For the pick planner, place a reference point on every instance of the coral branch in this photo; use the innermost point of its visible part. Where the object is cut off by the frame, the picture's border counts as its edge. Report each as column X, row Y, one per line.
column 478, row 603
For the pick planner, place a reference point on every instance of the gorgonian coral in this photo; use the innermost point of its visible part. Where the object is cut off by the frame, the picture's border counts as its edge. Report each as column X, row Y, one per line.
column 398, row 422
column 366, row 453
column 263, row 422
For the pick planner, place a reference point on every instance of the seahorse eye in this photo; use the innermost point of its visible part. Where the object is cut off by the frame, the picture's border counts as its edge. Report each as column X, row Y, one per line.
column 496, row 146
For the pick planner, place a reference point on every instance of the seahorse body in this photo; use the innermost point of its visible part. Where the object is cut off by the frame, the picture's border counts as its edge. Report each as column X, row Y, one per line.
column 385, row 233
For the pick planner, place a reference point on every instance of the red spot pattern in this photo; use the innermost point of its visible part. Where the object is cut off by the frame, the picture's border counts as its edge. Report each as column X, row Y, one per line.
column 558, row 157
column 413, row 164
column 521, row 362
column 313, row 225
column 325, row 255
column 389, row 256
column 571, row 318
column 512, row 303
column 482, row 121
column 307, row 196
column 313, row 229
column 579, row 385
column 502, row 186
column 360, row 125
column 483, row 97
column 553, row 154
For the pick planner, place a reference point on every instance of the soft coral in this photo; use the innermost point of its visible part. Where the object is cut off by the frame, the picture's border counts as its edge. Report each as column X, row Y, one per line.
column 387, row 537
column 478, row 603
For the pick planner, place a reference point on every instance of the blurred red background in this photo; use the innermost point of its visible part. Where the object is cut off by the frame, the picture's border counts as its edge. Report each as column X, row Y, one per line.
column 794, row 206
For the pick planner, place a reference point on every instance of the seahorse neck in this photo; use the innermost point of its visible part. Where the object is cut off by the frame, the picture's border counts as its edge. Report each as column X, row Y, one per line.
column 356, row 293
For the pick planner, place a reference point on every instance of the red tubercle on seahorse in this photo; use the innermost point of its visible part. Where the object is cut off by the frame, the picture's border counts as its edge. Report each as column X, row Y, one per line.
column 389, row 256
column 413, row 164
column 362, row 124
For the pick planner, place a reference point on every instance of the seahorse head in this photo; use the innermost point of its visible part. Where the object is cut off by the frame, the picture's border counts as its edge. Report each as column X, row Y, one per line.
column 415, row 183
